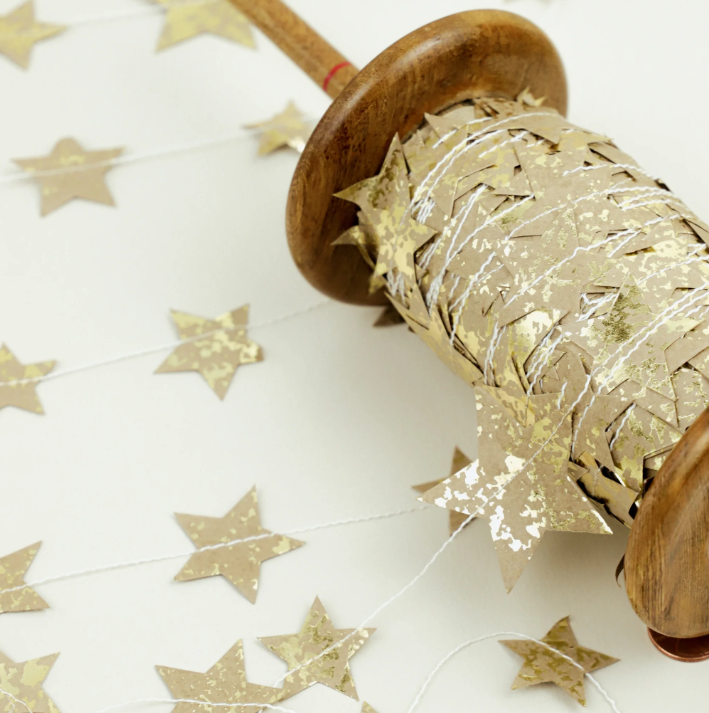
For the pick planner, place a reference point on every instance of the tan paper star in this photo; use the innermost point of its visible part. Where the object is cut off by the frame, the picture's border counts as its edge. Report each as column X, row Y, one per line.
column 186, row 19
column 544, row 665
column 70, row 172
column 12, row 572
column 520, row 482
column 300, row 651
column 214, row 347
column 225, row 682
column 289, row 128
column 239, row 563
column 366, row 708
column 460, row 461
column 19, row 32
column 23, row 681
column 23, row 394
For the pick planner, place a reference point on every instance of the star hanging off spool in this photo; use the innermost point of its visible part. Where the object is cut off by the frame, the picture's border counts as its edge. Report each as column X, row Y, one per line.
column 544, row 266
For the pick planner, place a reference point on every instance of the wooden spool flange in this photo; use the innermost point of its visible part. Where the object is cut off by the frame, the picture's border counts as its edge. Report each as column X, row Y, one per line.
column 456, row 58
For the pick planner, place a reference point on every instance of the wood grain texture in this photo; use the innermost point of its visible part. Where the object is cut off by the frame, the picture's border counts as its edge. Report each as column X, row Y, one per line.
column 667, row 560
column 459, row 57
column 318, row 59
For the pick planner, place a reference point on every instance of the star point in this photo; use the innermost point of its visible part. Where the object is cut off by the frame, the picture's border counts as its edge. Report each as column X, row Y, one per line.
column 19, row 32
column 71, row 172
column 288, row 128
column 304, row 653
column 14, row 595
column 22, row 682
column 185, row 20
column 548, row 664
column 213, row 347
column 225, row 682
column 23, row 393
column 240, row 563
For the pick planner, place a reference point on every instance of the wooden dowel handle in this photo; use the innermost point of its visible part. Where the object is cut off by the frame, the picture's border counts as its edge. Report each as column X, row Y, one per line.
column 316, row 57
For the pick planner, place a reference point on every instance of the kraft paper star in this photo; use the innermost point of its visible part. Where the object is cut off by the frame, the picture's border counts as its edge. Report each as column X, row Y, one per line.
column 213, row 347
column 225, row 682
column 186, row 19
column 289, row 128
column 460, row 461
column 545, row 665
column 239, row 563
column 19, row 32
column 22, row 682
column 366, row 708
column 22, row 394
column 70, row 172
column 301, row 651
column 12, row 572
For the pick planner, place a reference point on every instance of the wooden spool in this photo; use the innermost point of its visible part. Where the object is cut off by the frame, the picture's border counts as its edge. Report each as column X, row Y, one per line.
column 460, row 57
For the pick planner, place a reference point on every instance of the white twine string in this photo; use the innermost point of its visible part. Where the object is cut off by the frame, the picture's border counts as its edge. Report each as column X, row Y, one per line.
column 137, row 157
column 163, row 347
column 207, row 548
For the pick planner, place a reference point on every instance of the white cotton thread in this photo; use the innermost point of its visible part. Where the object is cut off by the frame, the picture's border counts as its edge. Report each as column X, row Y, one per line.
column 207, row 548
column 128, row 158
column 164, row 347
column 621, row 425
column 626, row 166
column 467, row 644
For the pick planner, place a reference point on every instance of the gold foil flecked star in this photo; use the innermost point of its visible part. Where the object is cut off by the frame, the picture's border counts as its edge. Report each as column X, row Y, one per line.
column 21, row 683
column 288, row 128
column 185, row 19
column 366, row 708
column 213, row 347
column 240, row 563
column 19, row 32
column 70, row 172
column 305, row 655
column 225, row 682
column 22, row 394
column 544, row 664
column 14, row 596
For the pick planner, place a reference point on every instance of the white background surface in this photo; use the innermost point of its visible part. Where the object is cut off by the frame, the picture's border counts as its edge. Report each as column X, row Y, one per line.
column 338, row 421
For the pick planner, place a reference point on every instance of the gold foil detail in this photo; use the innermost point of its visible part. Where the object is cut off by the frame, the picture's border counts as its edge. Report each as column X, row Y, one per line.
column 185, row 20
column 543, row 664
column 14, row 597
column 240, row 563
column 224, row 683
column 289, row 128
column 316, row 636
column 213, row 347
column 19, row 32
column 24, row 393
column 70, row 172
column 23, row 682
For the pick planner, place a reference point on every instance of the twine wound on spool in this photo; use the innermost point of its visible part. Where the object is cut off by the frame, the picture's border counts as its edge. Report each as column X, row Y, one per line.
column 567, row 286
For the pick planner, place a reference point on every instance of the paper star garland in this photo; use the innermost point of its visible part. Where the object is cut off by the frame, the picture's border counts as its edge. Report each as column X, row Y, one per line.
column 460, row 461
column 239, row 563
column 185, row 20
column 213, row 347
column 19, row 32
column 22, row 394
column 225, row 682
column 70, row 172
column 289, row 128
column 544, row 665
column 544, row 262
column 24, row 682
column 317, row 635
column 12, row 572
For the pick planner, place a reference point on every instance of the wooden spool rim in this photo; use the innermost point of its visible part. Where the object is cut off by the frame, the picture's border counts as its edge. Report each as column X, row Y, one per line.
column 459, row 57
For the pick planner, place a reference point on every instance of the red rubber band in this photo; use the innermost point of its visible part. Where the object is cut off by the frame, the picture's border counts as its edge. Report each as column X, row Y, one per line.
column 333, row 72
